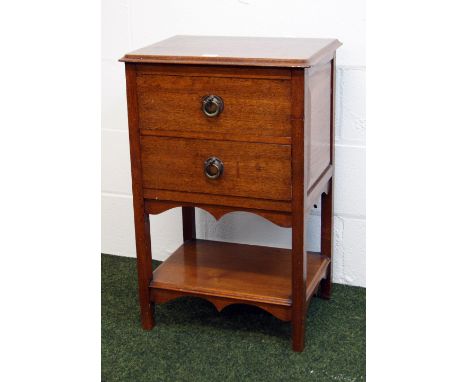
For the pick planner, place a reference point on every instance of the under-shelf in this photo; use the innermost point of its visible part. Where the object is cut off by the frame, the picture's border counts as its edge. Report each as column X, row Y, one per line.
column 228, row 273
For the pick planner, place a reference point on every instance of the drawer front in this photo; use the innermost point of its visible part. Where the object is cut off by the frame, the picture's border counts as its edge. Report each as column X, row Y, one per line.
column 253, row 170
column 252, row 106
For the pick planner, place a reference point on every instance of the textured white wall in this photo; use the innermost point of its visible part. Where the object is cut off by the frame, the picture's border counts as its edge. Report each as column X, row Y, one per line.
column 131, row 24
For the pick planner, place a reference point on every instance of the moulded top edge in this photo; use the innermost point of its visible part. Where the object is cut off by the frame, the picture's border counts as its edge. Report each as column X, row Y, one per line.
column 244, row 51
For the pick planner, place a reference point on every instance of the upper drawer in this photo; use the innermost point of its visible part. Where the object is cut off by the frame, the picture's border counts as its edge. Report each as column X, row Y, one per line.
column 256, row 101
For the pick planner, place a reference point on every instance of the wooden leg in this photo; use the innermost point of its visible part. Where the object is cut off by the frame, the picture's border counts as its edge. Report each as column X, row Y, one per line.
column 299, row 264
column 142, row 224
column 188, row 221
column 145, row 268
column 299, row 276
column 326, row 243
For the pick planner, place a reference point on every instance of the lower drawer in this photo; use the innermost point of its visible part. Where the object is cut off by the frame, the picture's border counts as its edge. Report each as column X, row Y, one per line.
column 254, row 170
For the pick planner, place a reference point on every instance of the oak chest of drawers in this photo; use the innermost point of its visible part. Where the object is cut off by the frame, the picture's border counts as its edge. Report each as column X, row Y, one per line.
column 234, row 124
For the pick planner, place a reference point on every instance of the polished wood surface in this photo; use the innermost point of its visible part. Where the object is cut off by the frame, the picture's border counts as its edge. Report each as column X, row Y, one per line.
column 228, row 71
column 252, row 274
column 282, row 219
column 218, row 200
column 250, row 169
column 299, row 263
column 253, row 51
column 275, row 137
column 252, row 106
column 243, row 136
column 141, row 218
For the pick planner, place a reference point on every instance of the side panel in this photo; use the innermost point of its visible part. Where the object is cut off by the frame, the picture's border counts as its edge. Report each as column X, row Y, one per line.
column 317, row 94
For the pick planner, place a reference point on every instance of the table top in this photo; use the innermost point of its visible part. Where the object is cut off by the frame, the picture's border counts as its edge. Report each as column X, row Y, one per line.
column 246, row 51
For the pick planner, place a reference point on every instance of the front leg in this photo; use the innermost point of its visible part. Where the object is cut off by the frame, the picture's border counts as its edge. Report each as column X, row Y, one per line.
column 299, row 275
column 145, row 268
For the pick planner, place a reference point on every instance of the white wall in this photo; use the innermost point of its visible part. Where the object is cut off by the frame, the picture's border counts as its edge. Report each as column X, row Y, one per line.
column 131, row 24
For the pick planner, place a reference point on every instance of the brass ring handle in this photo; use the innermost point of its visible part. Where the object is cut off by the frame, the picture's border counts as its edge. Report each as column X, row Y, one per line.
column 213, row 168
column 212, row 105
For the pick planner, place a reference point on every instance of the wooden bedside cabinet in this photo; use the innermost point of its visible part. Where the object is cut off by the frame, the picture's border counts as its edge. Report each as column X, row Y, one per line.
column 234, row 124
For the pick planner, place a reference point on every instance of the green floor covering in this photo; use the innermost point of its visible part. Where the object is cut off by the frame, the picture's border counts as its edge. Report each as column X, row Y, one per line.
column 193, row 342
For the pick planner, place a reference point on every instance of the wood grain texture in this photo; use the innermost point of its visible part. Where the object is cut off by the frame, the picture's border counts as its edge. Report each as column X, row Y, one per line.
column 299, row 264
column 250, row 169
column 275, row 137
column 214, row 71
column 161, row 296
column 219, row 200
column 282, row 219
column 253, row 107
column 236, row 273
column 242, row 136
column 250, row 51
column 141, row 218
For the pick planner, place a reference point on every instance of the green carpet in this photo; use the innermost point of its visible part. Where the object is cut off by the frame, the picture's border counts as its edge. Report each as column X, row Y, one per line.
column 193, row 342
